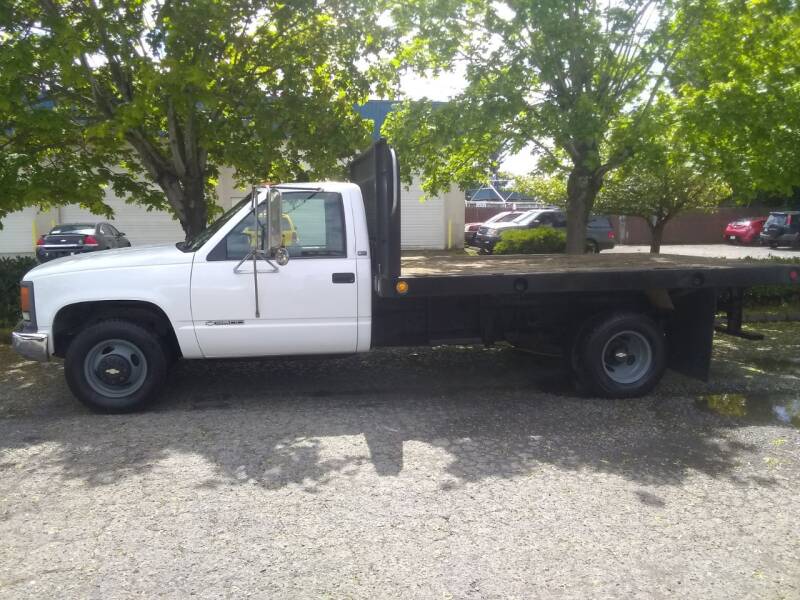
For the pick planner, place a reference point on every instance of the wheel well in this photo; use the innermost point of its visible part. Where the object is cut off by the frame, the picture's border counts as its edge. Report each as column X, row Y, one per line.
column 71, row 319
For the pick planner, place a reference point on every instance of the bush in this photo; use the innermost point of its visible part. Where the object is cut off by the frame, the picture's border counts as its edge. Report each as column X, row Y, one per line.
column 11, row 272
column 542, row 240
column 773, row 295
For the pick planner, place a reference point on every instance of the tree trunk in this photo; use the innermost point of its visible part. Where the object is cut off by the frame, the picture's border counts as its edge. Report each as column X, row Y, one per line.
column 181, row 174
column 187, row 199
column 196, row 207
column 656, row 236
column 582, row 188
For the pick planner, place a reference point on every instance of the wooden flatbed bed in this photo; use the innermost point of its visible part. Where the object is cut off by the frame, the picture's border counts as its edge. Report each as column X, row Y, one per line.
column 447, row 274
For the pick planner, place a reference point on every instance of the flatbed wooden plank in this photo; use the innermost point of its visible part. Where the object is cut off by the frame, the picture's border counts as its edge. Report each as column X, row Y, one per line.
column 442, row 265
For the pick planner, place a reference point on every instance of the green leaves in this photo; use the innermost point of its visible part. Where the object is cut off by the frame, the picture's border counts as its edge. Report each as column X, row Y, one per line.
column 665, row 177
column 736, row 82
column 557, row 75
column 153, row 99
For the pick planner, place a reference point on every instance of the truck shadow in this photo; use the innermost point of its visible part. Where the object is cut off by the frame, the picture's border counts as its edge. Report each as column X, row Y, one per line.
column 463, row 414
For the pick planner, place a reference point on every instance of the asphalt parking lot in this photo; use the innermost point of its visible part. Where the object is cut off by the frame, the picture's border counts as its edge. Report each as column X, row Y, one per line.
column 437, row 473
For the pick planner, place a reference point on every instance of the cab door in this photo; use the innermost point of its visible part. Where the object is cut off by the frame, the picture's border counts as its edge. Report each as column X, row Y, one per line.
column 308, row 306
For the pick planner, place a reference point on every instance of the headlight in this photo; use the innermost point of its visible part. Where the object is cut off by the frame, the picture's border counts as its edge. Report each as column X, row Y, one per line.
column 491, row 232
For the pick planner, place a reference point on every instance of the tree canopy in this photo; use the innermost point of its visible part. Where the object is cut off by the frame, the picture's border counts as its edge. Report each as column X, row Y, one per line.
column 573, row 78
column 550, row 189
column 737, row 86
column 153, row 98
column 664, row 178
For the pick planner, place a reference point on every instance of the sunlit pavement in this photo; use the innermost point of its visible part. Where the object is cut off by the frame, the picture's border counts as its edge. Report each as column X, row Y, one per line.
column 714, row 250
column 458, row 472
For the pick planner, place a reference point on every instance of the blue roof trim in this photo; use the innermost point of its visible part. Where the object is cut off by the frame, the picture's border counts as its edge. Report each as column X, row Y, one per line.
column 376, row 111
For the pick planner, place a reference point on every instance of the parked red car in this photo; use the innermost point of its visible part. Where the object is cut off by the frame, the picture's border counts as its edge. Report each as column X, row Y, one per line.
column 745, row 231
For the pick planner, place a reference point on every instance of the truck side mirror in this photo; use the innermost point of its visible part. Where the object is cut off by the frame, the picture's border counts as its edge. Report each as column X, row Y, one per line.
column 273, row 245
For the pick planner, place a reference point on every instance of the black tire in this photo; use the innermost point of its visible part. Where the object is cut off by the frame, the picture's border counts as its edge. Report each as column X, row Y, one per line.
column 592, row 247
column 602, row 369
column 138, row 346
column 773, row 245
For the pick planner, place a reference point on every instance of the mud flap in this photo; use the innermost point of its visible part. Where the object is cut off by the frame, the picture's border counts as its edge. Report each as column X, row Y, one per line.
column 690, row 333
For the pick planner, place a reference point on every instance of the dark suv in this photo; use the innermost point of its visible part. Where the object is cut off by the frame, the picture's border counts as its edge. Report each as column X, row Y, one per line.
column 599, row 232
column 782, row 229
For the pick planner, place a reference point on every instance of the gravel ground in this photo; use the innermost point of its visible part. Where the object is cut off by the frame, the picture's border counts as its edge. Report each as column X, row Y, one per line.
column 436, row 473
column 714, row 250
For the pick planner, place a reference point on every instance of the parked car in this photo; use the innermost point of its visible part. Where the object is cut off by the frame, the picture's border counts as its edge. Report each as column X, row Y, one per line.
column 471, row 229
column 781, row 229
column 600, row 234
column 744, row 231
column 77, row 238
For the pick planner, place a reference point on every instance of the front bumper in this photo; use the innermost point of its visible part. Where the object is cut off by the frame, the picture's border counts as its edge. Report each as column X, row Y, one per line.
column 31, row 345
column 486, row 242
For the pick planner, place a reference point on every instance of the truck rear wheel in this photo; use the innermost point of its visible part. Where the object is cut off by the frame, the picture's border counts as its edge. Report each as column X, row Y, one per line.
column 621, row 355
column 115, row 366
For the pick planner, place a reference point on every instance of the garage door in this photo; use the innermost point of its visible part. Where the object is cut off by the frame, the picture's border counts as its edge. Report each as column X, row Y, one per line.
column 421, row 223
column 141, row 227
column 17, row 235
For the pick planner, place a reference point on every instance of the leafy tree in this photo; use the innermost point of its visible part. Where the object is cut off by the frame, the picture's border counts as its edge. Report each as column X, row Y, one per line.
column 571, row 77
column 132, row 93
column 550, row 189
column 738, row 94
column 662, row 180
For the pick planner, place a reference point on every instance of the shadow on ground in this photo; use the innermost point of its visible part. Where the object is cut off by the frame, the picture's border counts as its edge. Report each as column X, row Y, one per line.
column 495, row 413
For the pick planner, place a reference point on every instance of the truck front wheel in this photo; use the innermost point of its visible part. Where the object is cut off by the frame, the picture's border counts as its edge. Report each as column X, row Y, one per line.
column 621, row 355
column 115, row 366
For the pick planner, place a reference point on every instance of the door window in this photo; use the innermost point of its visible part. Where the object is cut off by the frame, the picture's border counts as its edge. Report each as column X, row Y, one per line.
column 312, row 226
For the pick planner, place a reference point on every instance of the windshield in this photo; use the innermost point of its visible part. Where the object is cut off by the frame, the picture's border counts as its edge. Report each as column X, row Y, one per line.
column 201, row 238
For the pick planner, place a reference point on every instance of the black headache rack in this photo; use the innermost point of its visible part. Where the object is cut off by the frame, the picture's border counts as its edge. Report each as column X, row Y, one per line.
column 376, row 172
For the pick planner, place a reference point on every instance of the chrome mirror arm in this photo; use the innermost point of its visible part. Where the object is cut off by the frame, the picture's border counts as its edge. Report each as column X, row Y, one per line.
column 260, row 255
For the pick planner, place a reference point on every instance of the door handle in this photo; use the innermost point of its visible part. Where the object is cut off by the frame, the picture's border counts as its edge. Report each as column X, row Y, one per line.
column 343, row 278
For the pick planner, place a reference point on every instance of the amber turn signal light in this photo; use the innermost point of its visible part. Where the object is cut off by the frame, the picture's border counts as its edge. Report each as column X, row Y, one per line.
column 401, row 287
column 25, row 299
